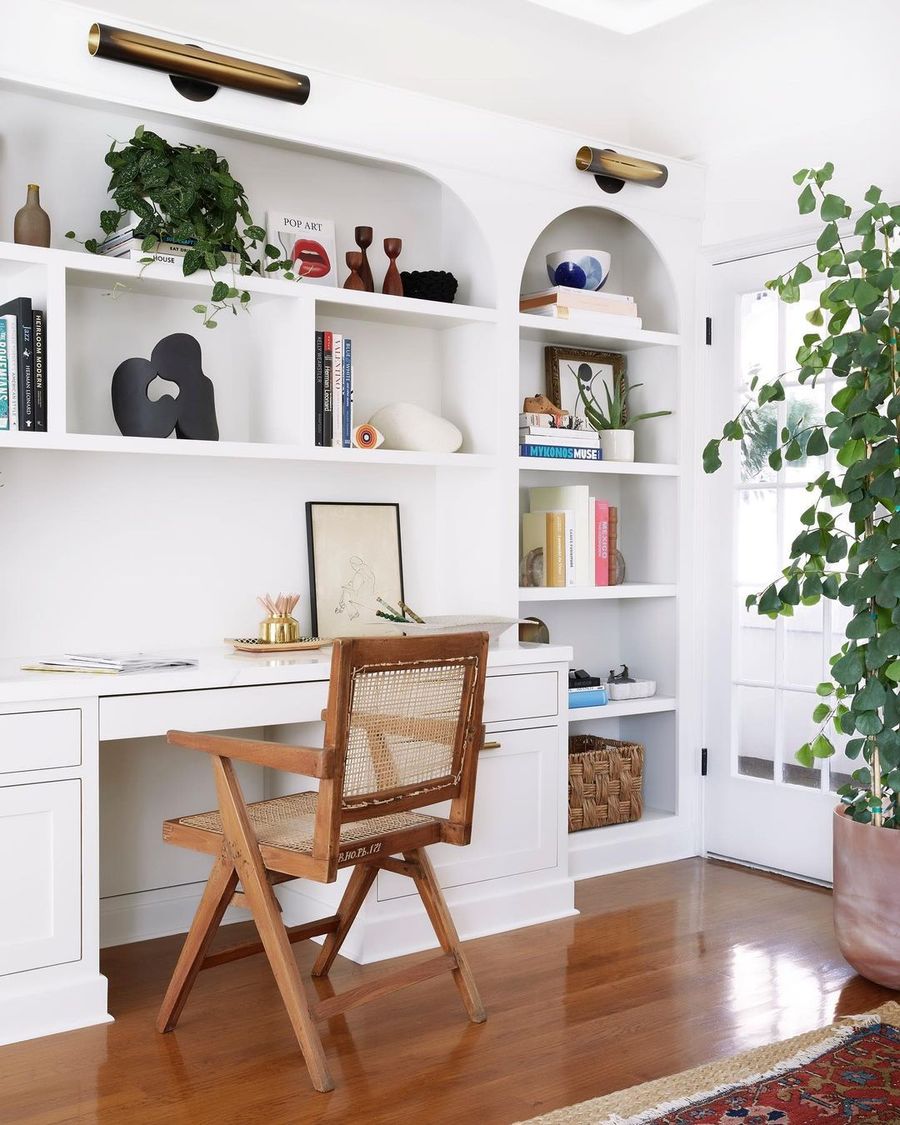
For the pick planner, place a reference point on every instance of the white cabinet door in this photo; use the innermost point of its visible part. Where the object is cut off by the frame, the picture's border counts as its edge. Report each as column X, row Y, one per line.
column 40, row 875
column 514, row 828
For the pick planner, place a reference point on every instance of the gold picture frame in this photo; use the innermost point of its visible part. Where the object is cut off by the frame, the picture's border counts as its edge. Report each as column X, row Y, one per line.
column 562, row 387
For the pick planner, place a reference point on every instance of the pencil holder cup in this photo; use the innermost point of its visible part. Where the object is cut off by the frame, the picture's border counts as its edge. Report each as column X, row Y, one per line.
column 279, row 629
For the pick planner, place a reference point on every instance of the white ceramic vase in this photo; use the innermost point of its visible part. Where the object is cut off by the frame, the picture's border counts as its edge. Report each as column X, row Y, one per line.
column 617, row 445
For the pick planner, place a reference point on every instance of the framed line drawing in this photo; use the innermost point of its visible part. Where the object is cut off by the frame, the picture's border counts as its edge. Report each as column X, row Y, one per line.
column 565, row 367
column 355, row 557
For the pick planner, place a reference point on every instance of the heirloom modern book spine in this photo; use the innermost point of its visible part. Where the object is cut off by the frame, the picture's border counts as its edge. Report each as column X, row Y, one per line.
column 20, row 308
column 40, row 372
column 320, row 389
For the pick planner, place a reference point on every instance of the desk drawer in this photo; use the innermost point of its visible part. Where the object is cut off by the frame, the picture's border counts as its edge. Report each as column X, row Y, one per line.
column 139, row 716
column 40, row 740
column 530, row 695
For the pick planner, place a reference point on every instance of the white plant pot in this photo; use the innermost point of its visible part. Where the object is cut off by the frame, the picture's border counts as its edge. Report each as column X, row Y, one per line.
column 617, row 445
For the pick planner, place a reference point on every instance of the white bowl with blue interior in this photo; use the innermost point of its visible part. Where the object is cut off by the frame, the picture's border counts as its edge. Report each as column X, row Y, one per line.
column 579, row 269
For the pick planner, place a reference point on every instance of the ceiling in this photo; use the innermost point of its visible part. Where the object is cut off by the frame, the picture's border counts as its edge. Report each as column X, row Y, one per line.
column 625, row 16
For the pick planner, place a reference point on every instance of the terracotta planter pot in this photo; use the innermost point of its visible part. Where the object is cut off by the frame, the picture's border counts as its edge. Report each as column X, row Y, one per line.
column 866, row 898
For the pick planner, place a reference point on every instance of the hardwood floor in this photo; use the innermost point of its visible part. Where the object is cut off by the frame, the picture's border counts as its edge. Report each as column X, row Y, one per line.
column 664, row 969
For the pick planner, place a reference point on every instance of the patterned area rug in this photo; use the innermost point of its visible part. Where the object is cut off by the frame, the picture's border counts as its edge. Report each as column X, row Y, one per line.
column 847, row 1072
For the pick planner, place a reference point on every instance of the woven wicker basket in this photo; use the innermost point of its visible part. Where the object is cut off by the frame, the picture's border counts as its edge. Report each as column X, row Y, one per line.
column 605, row 778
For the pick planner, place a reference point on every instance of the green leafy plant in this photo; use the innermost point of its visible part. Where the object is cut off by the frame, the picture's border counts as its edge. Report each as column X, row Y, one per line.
column 616, row 416
column 187, row 192
column 848, row 545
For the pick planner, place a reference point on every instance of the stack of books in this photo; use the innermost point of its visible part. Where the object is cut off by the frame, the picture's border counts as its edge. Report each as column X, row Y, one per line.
column 23, row 367
column 539, row 436
column 569, row 538
column 582, row 305
column 334, row 390
column 124, row 244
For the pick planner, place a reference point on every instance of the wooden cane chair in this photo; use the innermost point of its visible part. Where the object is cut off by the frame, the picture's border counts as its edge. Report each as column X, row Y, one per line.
column 403, row 729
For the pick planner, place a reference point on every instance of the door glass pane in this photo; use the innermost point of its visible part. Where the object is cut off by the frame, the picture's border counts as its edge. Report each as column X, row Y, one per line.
column 759, row 336
column 803, row 658
column 798, row 727
column 756, row 731
column 757, row 558
column 755, row 642
column 760, row 424
column 804, row 406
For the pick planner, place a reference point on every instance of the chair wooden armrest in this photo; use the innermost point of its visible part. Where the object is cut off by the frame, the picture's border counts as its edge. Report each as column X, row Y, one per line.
column 309, row 761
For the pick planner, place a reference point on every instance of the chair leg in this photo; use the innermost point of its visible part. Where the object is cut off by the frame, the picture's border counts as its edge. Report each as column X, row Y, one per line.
column 437, row 910
column 358, row 887
column 216, row 897
column 244, row 850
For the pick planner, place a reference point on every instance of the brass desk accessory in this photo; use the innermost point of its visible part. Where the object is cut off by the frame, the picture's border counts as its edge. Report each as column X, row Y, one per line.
column 279, row 627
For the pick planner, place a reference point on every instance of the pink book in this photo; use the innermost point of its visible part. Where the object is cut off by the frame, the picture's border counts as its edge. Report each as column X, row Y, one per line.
column 601, row 543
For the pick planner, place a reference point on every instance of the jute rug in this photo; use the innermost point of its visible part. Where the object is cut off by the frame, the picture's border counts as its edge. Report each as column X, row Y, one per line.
column 849, row 1071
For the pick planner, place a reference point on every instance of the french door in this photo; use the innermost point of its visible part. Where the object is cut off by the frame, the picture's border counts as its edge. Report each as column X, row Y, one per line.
column 760, row 676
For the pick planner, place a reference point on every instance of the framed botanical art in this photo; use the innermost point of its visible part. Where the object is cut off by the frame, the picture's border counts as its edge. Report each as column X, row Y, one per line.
column 355, row 559
column 566, row 368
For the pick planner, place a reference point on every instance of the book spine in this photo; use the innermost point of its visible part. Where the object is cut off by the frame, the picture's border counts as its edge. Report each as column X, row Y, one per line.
column 613, row 544
column 40, row 372
column 570, row 549
column 4, row 377
column 26, row 373
column 320, row 389
column 559, row 437
column 337, row 389
column 12, row 360
column 555, row 561
column 328, row 399
column 347, row 397
column 601, row 543
column 561, row 452
column 528, row 418
column 587, row 697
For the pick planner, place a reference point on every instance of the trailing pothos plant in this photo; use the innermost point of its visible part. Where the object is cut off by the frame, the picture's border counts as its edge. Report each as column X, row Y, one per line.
column 848, row 545
column 187, row 192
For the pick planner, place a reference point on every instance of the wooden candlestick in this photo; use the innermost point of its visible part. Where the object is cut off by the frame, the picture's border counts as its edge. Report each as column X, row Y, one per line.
column 363, row 239
column 393, row 282
column 354, row 264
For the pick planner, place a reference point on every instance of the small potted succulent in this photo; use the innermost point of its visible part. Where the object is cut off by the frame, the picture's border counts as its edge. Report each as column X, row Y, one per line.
column 614, row 424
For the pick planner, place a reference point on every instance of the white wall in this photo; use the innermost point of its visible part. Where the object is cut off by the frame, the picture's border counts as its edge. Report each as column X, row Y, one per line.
column 752, row 88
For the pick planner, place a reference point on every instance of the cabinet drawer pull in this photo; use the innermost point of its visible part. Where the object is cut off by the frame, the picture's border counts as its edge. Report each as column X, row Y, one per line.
column 490, row 746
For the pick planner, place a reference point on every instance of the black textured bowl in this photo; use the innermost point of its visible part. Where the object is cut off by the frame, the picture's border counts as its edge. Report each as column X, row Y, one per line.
column 430, row 285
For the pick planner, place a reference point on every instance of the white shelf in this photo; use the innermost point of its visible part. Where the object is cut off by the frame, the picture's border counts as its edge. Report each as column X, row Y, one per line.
column 620, row 709
column 609, row 468
column 95, row 271
column 546, row 330
column 650, row 823
column 592, row 593
column 254, row 450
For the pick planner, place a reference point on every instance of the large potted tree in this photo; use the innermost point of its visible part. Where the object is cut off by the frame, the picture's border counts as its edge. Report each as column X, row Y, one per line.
column 847, row 546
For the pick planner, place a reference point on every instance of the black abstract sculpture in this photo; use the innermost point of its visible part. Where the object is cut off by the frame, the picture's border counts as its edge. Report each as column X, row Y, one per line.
column 192, row 414
column 430, row 285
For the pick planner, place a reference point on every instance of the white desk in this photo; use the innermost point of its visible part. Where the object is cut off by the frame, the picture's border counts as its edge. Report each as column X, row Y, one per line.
column 514, row 873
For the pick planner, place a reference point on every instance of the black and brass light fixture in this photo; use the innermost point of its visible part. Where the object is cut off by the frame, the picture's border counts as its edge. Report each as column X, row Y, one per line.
column 195, row 73
column 612, row 170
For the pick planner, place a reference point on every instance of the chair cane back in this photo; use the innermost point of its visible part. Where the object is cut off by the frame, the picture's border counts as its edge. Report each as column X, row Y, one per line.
column 403, row 730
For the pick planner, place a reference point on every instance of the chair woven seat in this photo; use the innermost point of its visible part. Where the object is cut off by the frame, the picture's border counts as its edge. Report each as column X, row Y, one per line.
column 289, row 822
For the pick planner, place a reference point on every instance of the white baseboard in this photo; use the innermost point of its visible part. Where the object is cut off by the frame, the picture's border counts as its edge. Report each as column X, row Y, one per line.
column 592, row 853
column 45, row 1002
column 384, row 929
column 152, row 914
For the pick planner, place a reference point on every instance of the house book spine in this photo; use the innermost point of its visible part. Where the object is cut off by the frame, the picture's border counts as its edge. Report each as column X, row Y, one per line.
column 328, row 390
column 4, row 377
column 12, row 362
column 347, row 396
column 320, row 389
column 20, row 308
column 40, row 372
column 337, row 390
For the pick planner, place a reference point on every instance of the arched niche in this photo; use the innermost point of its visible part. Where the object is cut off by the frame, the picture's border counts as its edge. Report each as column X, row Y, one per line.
column 637, row 267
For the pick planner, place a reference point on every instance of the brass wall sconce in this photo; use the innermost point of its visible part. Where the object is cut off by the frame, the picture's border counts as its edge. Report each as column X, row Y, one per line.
column 612, row 170
column 196, row 74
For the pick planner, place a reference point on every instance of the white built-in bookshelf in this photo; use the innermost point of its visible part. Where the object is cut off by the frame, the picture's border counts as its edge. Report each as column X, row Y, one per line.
column 216, row 522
